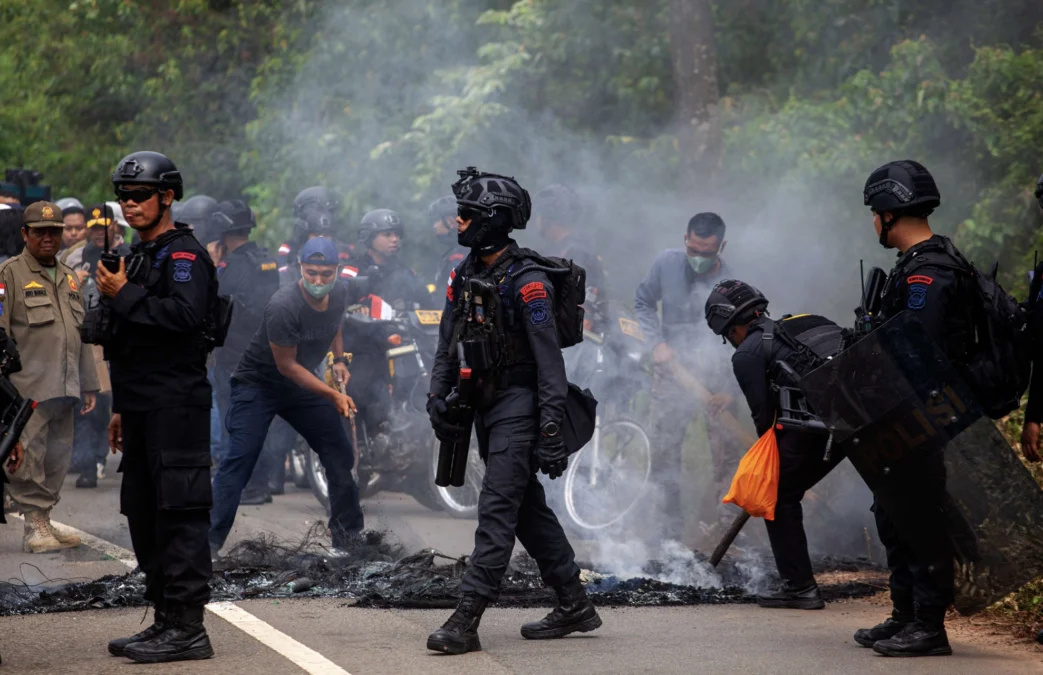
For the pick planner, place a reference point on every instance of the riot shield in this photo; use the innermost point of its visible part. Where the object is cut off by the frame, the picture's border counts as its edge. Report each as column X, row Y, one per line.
column 913, row 431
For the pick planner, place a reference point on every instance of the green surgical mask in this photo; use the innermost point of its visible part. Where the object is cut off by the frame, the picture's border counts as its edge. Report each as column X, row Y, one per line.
column 702, row 264
column 318, row 291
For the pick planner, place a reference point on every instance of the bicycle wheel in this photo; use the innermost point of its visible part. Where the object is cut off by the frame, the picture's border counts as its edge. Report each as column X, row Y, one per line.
column 608, row 476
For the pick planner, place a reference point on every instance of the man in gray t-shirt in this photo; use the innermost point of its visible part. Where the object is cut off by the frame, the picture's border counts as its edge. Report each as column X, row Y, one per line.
column 275, row 376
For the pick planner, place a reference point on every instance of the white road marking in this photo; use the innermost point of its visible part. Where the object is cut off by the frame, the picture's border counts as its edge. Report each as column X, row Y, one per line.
column 306, row 658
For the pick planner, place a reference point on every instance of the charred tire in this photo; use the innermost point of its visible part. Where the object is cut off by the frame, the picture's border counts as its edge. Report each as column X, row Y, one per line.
column 607, row 478
column 461, row 502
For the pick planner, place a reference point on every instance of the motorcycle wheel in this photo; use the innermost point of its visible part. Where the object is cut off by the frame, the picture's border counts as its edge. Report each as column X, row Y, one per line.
column 317, row 479
column 606, row 479
column 459, row 502
column 299, row 464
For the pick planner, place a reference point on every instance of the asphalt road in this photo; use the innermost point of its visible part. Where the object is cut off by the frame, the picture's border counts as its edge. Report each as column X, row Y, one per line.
column 707, row 639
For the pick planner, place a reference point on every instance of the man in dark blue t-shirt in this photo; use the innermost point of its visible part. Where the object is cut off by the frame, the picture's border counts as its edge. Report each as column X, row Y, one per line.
column 275, row 376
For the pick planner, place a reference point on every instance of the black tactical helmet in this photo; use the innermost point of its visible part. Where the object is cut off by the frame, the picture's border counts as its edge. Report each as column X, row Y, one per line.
column 380, row 220
column 1039, row 191
column 316, row 198
column 733, row 302
column 148, row 168
column 490, row 192
column 901, row 187
column 441, row 209
column 559, row 202
column 230, row 216
column 196, row 211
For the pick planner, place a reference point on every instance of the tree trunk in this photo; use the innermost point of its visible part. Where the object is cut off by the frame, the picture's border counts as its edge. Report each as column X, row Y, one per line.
column 695, row 74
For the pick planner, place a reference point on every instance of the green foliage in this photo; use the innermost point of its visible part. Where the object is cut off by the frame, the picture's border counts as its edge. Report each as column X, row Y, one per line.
column 383, row 100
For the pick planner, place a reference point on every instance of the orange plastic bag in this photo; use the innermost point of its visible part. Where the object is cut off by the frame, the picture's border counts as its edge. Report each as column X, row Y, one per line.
column 755, row 486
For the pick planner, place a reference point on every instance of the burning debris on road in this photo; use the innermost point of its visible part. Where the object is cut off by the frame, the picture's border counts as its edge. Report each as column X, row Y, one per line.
column 377, row 573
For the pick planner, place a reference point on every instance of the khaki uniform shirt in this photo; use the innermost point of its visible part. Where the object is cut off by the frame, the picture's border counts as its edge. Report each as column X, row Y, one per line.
column 44, row 319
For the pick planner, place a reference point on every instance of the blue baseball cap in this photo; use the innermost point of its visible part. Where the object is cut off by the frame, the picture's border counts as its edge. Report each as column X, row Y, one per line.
column 319, row 251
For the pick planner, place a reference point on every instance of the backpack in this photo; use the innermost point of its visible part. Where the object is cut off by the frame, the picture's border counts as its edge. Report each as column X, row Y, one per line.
column 813, row 340
column 998, row 366
column 570, row 293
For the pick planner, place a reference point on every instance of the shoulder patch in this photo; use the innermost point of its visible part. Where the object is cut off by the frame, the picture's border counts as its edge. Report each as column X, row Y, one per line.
column 269, row 266
column 183, row 255
column 349, row 272
column 3, row 291
column 533, row 291
column 284, row 249
column 72, row 282
column 917, row 296
column 538, row 314
column 182, row 269
column 920, row 279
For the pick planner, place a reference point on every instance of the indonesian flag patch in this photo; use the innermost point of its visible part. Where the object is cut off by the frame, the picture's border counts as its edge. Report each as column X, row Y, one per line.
column 378, row 309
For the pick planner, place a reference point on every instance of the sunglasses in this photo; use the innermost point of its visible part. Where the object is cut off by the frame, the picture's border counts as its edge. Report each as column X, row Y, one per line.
column 467, row 213
column 136, row 195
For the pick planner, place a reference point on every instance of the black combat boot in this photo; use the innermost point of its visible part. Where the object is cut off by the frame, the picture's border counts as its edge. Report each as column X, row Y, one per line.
column 459, row 634
column 183, row 639
column 923, row 637
column 159, row 621
column 574, row 613
column 88, row 479
column 793, row 596
column 898, row 620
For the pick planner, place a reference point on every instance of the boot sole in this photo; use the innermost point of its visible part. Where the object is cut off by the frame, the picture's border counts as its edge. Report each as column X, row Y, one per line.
column 585, row 626
column 197, row 654
column 453, row 648
column 48, row 549
column 937, row 651
column 863, row 642
column 792, row 604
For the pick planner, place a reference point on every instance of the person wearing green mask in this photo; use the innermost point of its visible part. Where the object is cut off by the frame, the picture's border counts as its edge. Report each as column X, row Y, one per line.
column 680, row 280
column 276, row 377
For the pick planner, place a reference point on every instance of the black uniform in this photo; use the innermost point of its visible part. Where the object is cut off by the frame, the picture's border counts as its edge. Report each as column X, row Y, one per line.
column 801, row 464
column 449, row 261
column 160, row 389
column 1034, row 408
column 530, row 393
column 392, row 281
column 923, row 282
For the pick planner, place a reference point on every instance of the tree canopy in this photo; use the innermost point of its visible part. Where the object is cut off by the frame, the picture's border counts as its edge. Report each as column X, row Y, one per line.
column 383, row 101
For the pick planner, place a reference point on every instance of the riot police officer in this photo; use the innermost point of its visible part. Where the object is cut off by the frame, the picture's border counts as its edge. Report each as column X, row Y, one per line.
column 518, row 412
column 1034, row 407
column 249, row 276
column 770, row 356
column 557, row 211
column 163, row 297
column 441, row 213
column 315, row 214
column 925, row 281
column 195, row 212
column 377, row 258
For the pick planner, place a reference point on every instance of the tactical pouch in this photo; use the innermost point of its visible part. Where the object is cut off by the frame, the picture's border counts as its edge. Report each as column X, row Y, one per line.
column 99, row 325
column 477, row 354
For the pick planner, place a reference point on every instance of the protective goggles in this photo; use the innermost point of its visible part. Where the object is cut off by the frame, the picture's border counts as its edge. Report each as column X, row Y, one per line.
column 467, row 213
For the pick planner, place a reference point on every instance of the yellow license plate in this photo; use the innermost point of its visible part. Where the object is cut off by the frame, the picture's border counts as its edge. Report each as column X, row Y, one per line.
column 429, row 317
column 631, row 328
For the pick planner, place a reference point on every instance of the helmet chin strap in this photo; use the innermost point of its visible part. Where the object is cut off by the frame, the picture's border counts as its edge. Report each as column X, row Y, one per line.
column 885, row 229
column 159, row 216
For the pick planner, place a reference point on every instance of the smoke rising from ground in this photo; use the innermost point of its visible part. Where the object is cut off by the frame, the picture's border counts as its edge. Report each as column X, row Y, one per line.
column 794, row 241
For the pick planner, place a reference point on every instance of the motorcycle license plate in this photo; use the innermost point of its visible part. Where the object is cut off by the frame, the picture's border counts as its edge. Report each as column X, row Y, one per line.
column 429, row 317
column 631, row 328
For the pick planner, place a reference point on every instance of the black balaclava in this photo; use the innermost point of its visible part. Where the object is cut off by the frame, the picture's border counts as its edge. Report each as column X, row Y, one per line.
column 489, row 235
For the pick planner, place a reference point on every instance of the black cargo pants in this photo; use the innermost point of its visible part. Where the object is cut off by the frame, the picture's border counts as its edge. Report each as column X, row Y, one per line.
column 800, row 468
column 512, row 502
column 166, row 498
column 909, row 506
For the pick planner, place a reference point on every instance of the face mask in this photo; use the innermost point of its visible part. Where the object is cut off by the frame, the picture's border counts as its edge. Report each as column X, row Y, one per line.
column 318, row 291
column 702, row 264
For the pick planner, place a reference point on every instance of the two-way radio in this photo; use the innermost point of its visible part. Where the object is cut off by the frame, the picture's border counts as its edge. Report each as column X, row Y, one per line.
column 110, row 260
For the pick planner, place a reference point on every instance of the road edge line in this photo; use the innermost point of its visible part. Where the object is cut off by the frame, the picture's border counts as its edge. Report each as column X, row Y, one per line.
column 301, row 655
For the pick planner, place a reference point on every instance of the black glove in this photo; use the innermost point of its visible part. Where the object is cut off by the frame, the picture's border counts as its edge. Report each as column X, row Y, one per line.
column 445, row 430
column 552, row 455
